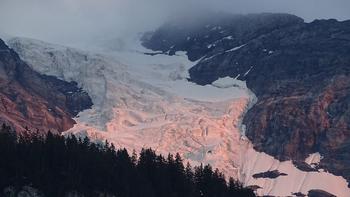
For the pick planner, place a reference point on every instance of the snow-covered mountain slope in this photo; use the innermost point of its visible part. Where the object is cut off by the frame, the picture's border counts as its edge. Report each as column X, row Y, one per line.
column 145, row 101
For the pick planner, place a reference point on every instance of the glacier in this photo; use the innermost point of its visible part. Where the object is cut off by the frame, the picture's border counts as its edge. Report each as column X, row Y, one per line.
column 143, row 101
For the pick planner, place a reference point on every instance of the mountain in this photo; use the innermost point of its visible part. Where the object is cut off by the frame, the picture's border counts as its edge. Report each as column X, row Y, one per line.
column 239, row 81
column 298, row 71
column 33, row 101
column 143, row 101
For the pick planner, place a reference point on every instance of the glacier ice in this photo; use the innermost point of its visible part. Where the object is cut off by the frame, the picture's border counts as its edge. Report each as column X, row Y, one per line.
column 143, row 101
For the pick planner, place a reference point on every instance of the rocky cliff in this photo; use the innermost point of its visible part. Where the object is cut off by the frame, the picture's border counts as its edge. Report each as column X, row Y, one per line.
column 299, row 72
column 34, row 101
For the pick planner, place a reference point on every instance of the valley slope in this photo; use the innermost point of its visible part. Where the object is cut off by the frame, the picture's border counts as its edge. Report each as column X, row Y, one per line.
column 32, row 101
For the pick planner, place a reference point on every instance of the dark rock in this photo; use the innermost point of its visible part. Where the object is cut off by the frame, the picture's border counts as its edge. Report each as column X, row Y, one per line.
column 299, row 71
column 222, row 32
column 153, row 54
column 301, row 165
column 299, row 194
column 254, row 187
column 269, row 174
column 29, row 99
column 319, row 193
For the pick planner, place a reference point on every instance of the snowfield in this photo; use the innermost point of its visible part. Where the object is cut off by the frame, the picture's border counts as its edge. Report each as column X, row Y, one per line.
column 143, row 101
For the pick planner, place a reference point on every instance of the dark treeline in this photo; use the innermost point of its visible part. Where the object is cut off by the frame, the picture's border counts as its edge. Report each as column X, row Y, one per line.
column 57, row 166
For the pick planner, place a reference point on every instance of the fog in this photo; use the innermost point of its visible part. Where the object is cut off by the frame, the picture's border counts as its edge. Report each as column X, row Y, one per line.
column 74, row 21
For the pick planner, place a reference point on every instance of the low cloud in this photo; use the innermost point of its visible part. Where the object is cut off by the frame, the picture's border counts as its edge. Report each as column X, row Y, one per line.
column 67, row 21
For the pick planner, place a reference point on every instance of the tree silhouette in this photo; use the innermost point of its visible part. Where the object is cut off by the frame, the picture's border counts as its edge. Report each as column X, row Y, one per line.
column 58, row 166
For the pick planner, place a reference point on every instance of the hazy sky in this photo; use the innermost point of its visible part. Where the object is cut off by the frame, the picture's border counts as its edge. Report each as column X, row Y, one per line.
column 63, row 21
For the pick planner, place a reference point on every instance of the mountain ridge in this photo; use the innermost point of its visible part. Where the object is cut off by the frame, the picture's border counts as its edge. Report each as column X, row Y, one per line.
column 299, row 72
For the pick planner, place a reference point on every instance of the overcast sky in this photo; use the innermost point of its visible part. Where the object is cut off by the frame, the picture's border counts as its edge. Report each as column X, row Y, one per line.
column 63, row 21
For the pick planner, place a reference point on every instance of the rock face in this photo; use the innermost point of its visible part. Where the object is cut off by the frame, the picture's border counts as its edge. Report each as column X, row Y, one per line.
column 36, row 101
column 299, row 72
column 269, row 174
column 213, row 35
column 319, row 193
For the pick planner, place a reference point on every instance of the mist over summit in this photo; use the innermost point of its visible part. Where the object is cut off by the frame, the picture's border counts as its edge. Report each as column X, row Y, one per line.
column 83, row 21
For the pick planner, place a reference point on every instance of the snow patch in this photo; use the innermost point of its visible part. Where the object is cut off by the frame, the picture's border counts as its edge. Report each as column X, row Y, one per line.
column 235, row 48
column 314, row 159
column 228, row 38
column 210, row 46
column 228, row 82
column 246, row 73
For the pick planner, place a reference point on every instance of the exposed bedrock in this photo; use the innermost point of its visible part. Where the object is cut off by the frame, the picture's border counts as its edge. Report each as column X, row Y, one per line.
column 38, row 102
column 269, row 174
column 298, row 71
column 319, row 193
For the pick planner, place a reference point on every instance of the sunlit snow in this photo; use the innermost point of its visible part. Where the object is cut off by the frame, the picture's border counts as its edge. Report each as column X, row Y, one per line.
column 143, row 101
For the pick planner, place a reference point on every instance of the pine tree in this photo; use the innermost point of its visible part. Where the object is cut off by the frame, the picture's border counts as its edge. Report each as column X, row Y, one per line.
column 58, row 165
